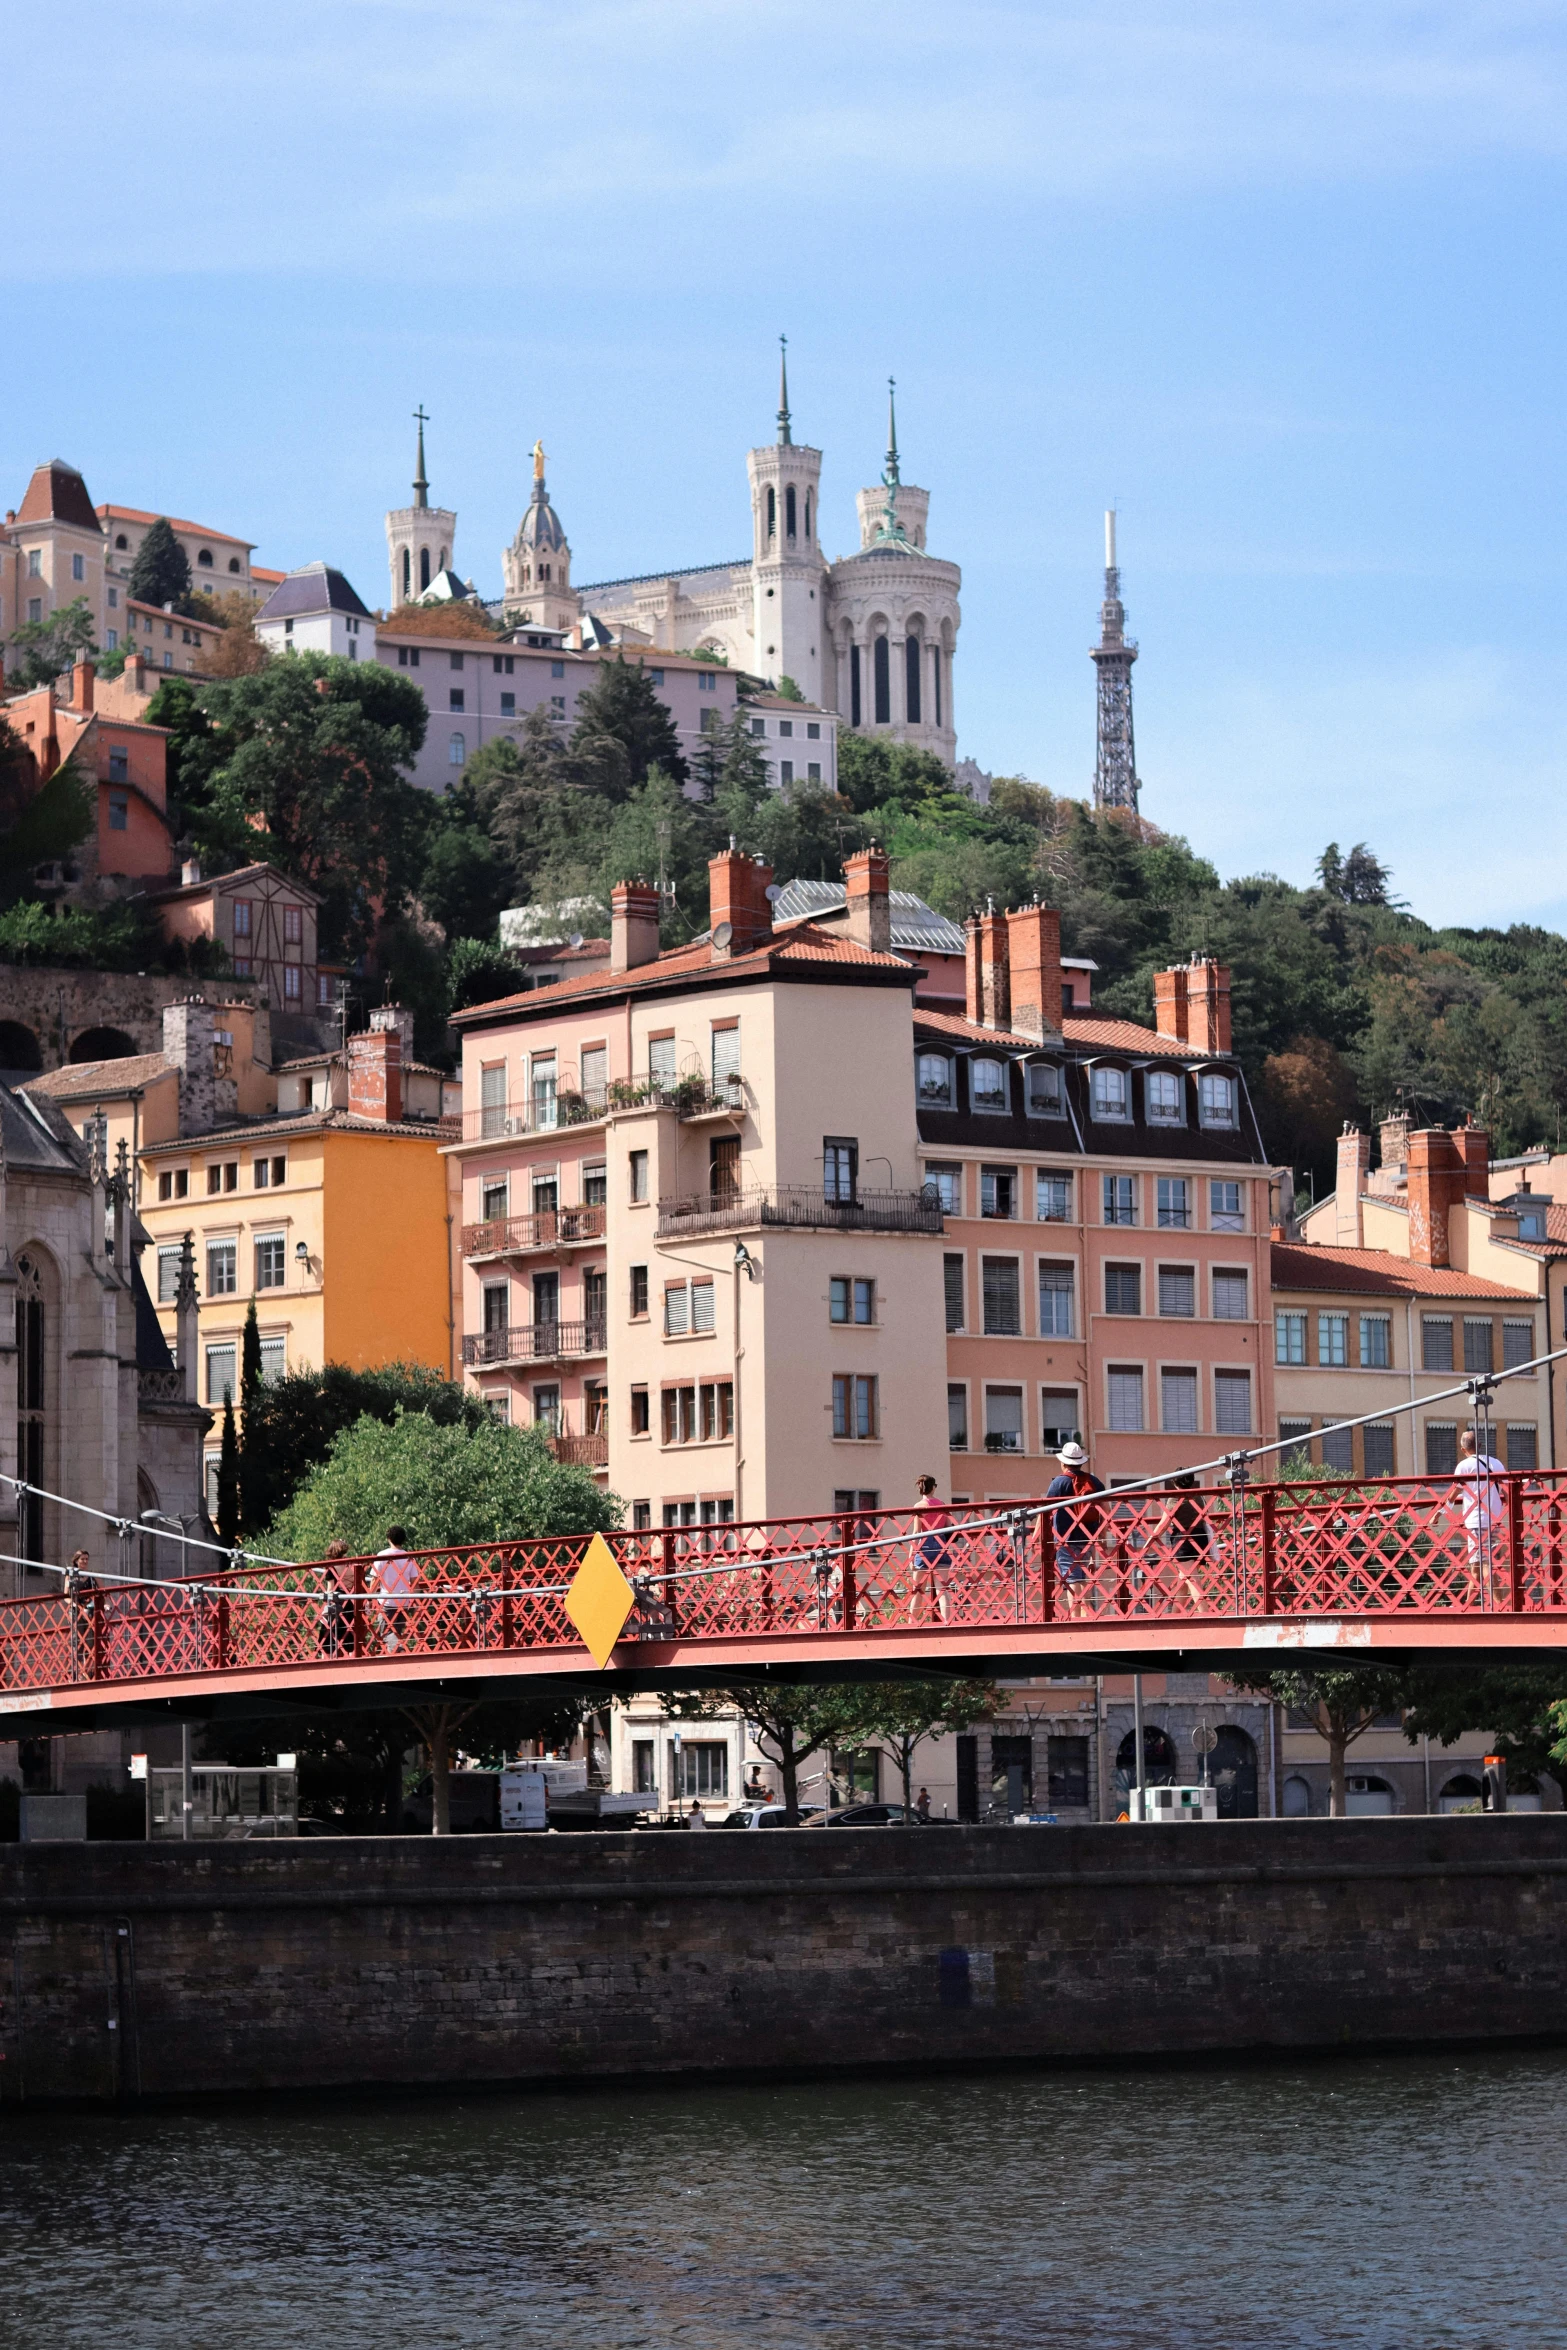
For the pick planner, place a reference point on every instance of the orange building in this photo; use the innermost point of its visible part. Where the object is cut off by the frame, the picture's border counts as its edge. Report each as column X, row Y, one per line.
column 124, row 757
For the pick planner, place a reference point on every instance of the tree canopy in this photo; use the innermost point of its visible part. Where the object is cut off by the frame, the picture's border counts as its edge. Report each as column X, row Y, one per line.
column 290, row 1423
column 41, row 650
column 160, row 573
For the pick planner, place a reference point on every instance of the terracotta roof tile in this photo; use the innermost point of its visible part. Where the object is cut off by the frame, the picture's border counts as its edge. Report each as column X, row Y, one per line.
column 1377, row 1272
column 90, row 1078
column 1124, row 1036
column 802, row 944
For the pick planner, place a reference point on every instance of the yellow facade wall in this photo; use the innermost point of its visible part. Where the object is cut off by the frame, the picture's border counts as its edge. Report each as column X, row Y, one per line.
column 386, row 1249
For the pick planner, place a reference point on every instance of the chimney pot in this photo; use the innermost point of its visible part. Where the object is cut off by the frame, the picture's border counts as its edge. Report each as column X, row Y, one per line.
column 633, row 925
column 737, row 894
column 870, row 907
column 375, row 1075
column 989, row 971
column 83, row 676
column 1034, row 965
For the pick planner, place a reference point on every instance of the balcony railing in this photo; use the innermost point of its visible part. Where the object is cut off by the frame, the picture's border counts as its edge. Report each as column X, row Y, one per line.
column 800, row 1207
column 688, row 1097
column 506, row 1236
column 581, row 1452
column 159, row 1386
column 534, row 1342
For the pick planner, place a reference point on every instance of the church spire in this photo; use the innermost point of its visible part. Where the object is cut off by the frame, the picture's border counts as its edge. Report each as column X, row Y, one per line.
column 421, row 486
column 891, row 476
column 785, row 436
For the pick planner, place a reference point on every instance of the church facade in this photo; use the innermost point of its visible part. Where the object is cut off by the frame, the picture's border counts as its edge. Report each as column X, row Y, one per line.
column 871, row 636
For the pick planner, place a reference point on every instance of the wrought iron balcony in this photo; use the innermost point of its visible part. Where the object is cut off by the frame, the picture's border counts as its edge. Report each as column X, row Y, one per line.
column 581, row 1452
column 688, row 1097
column 798, row 1207
column 534, row 1342
column 511, row 1236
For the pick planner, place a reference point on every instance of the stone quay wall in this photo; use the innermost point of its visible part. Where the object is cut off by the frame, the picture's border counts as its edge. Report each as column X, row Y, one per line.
column 133, row 1971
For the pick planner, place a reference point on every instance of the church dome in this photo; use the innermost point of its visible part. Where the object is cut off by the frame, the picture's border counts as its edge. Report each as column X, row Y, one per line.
column 540, row 527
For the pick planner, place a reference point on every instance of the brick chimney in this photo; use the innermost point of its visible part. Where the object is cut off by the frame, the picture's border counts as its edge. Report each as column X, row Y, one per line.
column 1034, row 964
column 989, row 973
column 1169, row 999
column 399, row 1017
column 1208, row 1007
column 375, row 1075
column 1393, row 1144
column 870, row 908
column 83, row 675
column 1436, row 1183
column 1354, row 1165
column 190, row 1042
column 633, row 925
column 1474, row 1150
column 737, row 894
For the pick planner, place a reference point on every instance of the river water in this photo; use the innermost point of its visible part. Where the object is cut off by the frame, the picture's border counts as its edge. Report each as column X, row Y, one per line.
column 1409, row 2203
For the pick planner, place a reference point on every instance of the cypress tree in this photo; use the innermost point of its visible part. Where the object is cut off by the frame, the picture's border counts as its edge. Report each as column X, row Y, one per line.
column 161, row 572
column 228, row 1480
column 249, row 1459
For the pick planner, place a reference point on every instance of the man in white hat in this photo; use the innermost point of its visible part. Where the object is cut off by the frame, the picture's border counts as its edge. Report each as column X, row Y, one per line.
column 1074, row 1528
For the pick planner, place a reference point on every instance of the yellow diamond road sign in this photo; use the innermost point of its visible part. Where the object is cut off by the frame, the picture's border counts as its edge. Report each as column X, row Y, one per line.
column 599, row 1601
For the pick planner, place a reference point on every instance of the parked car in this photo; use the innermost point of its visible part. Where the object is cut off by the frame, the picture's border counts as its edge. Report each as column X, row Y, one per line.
column 868, row 1815
column 768, row 1815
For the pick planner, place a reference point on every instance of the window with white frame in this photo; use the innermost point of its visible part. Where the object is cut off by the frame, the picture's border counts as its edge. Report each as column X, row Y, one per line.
column 1217, row 1098
column 688, row 1308
column 1124, row 1382
column 1053, row 1198
column 1333, row 1340
column 542, row 1092
column 271, row 1268
column 1164, row 1097
column 1230, row 1293
column 933, row 1081
column 1120, row 1199
column 1289, row 1337
column 1109, row 1094
column 1225, row 1211
column 1056, row 1317
column 1436, row 1342
column 222, row 1267
column 726, row 1057
column 854, row 1406
column 1376, row 1343
column 947, row 1183
column 1232, row 1402
column 998, row 1192
column 1178, row 1401
column 492, row 1099
column 1178, row 1291
column 1042, row 1093
column 1058, row 1418
column 987, row 1087
column 1175, row 1203
column 274, row 1358
column 221, row 1386
column 661, row 1060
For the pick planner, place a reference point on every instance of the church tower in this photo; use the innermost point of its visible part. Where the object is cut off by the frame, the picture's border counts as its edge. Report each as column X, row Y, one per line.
column 419, row 538
column 1115, row 760
column 787, row 571
column 536, row 567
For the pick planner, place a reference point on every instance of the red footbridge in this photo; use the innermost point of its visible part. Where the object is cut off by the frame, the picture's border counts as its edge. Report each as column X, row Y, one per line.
column 1213, row 1578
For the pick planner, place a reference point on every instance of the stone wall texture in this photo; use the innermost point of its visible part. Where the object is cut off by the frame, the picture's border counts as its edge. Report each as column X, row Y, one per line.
column 133, row 1971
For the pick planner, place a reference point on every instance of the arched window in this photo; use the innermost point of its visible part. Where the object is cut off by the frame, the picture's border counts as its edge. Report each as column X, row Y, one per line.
column 772, row 514
column 408, row 573
column 807, row 513
column 233, row 563
column 121, row 541
column 31, row 1403
column 1158, row 1759
column 883, row 681
column 18, row 1046
column 935, row 676
column 854, row 685
column 204, row 559
column 424, row 569
column 441, row 566
column 911, row 679
column 789, row 529
column 544, row 571
column 1232, row 1771
column 457, row 750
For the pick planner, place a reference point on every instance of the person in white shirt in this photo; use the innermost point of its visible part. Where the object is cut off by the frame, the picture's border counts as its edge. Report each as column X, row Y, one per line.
column 396, row 1578
column 1482, row 1505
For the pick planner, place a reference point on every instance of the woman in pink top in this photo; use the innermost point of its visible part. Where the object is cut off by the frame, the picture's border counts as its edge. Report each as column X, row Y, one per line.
column 932, row 1558
column 396, row 1578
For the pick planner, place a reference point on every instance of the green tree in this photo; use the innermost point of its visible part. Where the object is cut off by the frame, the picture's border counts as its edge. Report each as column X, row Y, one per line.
column 295, row 1419
column 791, row 1723
column 873, row 772
column 252, row 1514
column 464, row 880
column 41, row 649
column 161, row 572
column 903, row 1714
column 623, row 706
column 318, row 751
column 37, row 827
column 659, row 835
column 479, row 972
column 192, row 753
column 1522, row 1708
column 788, row 691
column 228, row 1479
column 1342, row 1701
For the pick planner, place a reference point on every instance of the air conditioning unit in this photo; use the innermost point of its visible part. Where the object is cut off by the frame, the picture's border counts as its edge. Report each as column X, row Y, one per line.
column 1173, row 1806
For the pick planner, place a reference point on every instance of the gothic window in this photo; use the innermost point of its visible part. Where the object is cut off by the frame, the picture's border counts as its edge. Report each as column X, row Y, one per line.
column 424, row 569
column 807, row 513
column 911, row 678
column 789, row 521
column 772, row 514
column 441, row 566
column 883, row 683
column 854, row 685
column 935, row 676
column 31, row 1403
column 408, row 573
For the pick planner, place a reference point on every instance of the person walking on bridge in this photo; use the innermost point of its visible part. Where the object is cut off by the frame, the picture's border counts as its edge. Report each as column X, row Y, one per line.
column 1483, row 1504
column 396, row 1579
column 1074, row 1528
column 932, row 1556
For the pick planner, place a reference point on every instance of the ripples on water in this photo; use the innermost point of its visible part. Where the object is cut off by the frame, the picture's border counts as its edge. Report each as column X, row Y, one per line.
column 1401, row 2203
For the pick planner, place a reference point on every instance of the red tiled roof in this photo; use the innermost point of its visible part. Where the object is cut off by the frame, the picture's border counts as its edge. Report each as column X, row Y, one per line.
column 264, row 1131
column 57, row 493
column 802, row 944
column 969, row 1031
column 1124, row 1036
column 198, row 530
column 91, row 1078
column 1376, row 1271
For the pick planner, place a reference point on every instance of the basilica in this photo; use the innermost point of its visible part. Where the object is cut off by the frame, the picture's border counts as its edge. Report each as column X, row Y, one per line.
column 870, row 636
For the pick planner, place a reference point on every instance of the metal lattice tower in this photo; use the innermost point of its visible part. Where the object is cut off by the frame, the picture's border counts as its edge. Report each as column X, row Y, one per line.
column 1115, row 759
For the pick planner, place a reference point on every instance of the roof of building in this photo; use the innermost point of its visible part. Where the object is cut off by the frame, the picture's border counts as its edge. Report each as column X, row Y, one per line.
column 540, row 527
column 601, row 587
column 314, row 587
column 95, row 1080
column 916, row 928
column 258, row 572
column 797, row 702
column 226, row 881
column 801, row 952
column 1377, row 1272
column 36, row 1135
column 323, row 1060
column 296, row 1122
column 57, row 493
column 212, row 628
column 198, row 530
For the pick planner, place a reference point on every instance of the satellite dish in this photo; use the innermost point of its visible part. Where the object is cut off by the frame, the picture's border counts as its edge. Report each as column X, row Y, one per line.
column 575, row 939
column 773, row 893
column 723, row 934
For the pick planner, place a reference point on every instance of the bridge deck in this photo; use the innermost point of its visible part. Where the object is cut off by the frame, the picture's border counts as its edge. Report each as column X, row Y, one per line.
column 1395, row 1567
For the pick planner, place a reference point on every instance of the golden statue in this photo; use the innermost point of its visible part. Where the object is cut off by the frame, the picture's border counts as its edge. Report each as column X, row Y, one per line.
column 538, row 460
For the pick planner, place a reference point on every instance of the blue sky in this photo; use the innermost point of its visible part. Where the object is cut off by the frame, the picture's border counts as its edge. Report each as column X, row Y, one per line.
column 1284, row 282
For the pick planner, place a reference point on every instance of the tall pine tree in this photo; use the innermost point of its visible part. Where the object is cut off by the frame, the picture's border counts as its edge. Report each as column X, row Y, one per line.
column 161, row 572
column 228, row 1480
column 249, row 1396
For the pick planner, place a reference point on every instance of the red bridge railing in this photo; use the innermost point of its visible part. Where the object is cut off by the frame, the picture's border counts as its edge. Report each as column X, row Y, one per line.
column 1402, row 1548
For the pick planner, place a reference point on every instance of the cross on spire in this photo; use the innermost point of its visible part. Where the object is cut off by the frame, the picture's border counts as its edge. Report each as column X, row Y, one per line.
column 421, row 486
column 785, row 436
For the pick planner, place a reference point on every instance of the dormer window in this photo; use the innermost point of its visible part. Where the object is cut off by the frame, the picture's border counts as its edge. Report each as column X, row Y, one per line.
column 933, row 1078
column 1216, row 1096
column 988, row 1087
column 1530, row 1213
column 1164, row 1097
column 1108, row 1091
column 1042, row 1090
